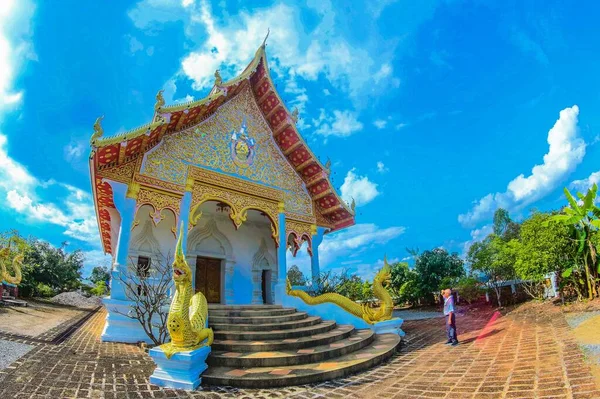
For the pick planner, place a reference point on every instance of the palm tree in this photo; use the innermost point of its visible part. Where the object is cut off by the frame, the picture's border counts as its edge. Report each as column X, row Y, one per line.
column 583, row 216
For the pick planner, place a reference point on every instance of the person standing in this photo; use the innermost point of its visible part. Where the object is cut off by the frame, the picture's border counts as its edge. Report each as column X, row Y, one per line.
column 449, row 313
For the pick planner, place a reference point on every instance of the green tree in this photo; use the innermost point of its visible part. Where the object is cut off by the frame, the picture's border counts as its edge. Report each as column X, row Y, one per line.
column 494, row 258
column 469, row 289
column 295, row 276
column 543, row 248
column 504, row 227
column 99, row 273
column 433, row 266
column 404, row 283
column 54, row 267
column 584, row 219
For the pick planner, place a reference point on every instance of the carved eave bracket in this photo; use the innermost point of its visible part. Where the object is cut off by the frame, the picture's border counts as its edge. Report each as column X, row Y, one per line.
column 159, row 201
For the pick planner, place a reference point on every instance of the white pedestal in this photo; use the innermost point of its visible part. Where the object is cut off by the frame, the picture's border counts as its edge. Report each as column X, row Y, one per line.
column 181, row 371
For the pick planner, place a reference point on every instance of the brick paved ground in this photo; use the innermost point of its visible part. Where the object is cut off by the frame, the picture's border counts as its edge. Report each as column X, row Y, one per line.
column 529, row 353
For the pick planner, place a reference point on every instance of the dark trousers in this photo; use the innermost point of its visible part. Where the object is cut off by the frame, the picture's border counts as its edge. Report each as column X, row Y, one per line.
column 451, row 328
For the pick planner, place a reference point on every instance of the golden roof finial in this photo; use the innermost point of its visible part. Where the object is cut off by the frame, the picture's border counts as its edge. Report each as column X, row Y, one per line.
column 328, row 164
column 295, row 115
column 265, row 40
column 218, row 79
column 98, row 131
column 160, row 100
column 353, row 205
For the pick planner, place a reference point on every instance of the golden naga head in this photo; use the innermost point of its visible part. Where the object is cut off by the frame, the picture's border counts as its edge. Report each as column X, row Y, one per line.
column 181, row 271
column 384, row 276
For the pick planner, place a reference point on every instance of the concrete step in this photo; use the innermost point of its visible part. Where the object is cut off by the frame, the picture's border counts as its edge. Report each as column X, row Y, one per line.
column 275, row 334
column 288, row 325
column 251, row 312
column 379, row 350
column 339, row 333
column 216, row 306
column 256, row 319
column 291, row 357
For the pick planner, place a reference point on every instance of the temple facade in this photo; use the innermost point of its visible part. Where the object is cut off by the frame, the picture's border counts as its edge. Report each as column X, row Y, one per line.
column 233, row 169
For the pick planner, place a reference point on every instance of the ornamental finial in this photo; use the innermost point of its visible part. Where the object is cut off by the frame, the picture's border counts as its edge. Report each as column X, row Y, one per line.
column 98, row 131
column 160, row 100
column 265, row 41
column 295, row 115
column 328, row 164
column 353, row 205
column 218, row 79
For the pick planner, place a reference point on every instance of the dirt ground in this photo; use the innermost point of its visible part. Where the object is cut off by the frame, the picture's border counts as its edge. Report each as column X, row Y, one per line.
column 35, row 319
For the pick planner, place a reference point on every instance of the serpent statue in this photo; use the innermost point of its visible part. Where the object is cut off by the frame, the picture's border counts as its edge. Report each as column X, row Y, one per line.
column 188, row 331
column 16, row 264
column 371, row 316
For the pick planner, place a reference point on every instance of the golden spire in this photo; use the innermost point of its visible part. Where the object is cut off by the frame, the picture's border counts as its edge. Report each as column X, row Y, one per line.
column 98, row 131
column 218, row 79
column 295, row 115
column 353, row 206
column 265, row 40
column 328, row 165
column 160, row 101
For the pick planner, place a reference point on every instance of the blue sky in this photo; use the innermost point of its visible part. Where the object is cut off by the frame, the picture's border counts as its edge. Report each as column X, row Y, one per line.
column 433, row 113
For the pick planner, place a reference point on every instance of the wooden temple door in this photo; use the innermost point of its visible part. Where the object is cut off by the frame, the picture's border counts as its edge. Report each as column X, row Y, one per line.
column 208, row 278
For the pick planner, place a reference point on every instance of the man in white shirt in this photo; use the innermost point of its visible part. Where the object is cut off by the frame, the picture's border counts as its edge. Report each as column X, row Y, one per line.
column 450, row 317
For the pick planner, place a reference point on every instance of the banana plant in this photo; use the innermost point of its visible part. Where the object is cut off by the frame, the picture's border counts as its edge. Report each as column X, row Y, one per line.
column 584, row 217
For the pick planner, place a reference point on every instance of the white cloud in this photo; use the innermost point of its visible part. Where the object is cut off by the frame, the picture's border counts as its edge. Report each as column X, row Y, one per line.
column 381, row 168
column 359, row 188
column 73, row 210
column 384, row 72
column 584, row 184
column 355, row 240
column 74, row 150
column 380, row 123
column 230, row 42
column 135, row 45
column 326, row 92
column 340, row 124
column 529, row 46
column 566, row 150
column 95, row 258
column 401, row 125
column 15, row 47
column 476, row 236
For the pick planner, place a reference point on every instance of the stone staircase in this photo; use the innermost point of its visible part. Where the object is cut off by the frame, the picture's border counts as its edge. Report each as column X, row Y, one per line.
column 262, row 346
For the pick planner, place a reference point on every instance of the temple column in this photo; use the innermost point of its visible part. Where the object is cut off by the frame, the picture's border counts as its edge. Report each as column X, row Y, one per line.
column 119, row 327
column 280, row 291
column 317, row 239
column 125, row 204
column 229, row 265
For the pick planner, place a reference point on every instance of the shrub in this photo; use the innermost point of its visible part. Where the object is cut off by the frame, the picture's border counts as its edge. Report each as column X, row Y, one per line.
column 469, row 289
column 99, row 289
column 44, row 291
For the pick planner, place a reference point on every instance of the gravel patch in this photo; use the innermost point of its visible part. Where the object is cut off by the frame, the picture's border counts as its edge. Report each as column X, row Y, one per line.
column 78, row 300
column 11, row 351
column 416, row 314
column 575, row 319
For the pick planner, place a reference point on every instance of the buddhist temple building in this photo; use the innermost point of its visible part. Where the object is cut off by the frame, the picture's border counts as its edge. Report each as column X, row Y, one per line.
column 233, row 168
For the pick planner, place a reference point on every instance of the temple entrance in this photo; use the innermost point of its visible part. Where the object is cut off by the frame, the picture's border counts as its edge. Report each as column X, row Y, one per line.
column 266, row 286
column 208, row 278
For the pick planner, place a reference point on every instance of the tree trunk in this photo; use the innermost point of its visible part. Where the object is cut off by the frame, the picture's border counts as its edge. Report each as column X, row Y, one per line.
column 588, row 277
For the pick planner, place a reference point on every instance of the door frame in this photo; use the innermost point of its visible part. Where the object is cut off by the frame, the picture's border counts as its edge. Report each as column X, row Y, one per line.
column 191, row 259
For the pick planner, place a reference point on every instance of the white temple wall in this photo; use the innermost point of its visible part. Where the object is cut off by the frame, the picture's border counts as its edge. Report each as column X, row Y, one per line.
column 156, row 242
column 215, row 236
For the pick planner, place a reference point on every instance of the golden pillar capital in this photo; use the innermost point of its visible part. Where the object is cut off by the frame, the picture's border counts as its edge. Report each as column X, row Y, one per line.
column 281, row 207
column 189, row 184
column 313, row 229
column 133, row 190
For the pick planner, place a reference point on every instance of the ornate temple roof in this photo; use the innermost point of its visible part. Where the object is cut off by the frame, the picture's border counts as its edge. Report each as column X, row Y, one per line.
column 123, row 151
